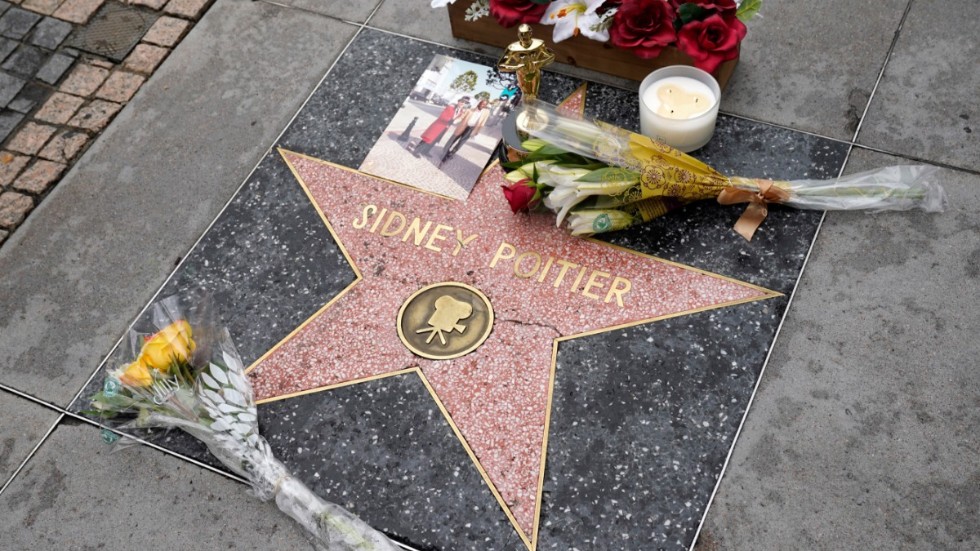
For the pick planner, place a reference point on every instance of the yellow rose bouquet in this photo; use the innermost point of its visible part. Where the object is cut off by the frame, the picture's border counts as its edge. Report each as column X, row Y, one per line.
column 187, row 374
column 603, row 178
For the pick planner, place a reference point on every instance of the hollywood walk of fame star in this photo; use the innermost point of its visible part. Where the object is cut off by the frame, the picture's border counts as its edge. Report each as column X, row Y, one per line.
column 544, row 287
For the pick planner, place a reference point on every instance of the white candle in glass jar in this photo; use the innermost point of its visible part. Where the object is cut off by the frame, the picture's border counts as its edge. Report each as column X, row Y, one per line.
column 679, row 106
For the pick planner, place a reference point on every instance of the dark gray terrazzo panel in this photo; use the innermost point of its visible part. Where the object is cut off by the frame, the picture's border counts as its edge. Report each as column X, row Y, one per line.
column 341, row 123
column 701, row 235
column 270, row 263
column 384, row 450
column 269, row 260
column 642, row 421
column 349, row 111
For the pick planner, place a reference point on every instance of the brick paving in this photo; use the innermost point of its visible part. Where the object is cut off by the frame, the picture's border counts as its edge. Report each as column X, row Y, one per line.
column 145, row 58
column 55, row 99
column 120, row 86
column 166, row 32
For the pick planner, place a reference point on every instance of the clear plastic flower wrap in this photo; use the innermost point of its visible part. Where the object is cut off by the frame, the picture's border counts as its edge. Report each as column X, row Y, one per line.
column 604, row 178
column 188, row 375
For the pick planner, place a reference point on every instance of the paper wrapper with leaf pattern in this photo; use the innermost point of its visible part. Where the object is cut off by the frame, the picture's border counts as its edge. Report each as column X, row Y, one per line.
column 622, row 178
column 188, row 375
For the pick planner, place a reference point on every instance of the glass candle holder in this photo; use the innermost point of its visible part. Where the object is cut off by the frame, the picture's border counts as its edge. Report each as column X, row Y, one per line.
column 679, row 106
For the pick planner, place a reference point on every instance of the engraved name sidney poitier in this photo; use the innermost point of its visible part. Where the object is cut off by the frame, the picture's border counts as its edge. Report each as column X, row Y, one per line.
column 537, row 267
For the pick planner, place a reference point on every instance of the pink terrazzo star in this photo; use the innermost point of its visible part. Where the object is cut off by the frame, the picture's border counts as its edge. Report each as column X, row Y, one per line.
column 543, row 285
column 574, row 105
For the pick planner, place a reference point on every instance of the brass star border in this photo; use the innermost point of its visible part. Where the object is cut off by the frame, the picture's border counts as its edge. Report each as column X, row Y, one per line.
column 530, row 542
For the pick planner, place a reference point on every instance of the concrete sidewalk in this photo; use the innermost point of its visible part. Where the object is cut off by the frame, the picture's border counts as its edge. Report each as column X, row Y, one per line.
column 862, row 434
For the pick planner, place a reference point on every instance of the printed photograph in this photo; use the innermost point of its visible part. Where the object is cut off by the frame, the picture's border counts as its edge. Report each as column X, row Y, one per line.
column 447, row 129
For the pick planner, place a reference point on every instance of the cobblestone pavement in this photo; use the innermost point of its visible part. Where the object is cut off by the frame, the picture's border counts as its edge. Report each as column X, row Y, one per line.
column 392, row 159
column 56, row 96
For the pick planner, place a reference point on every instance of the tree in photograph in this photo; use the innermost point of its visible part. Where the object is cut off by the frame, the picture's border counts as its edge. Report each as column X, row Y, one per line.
column 465, row 82
column 482, row 95
column 500, row 81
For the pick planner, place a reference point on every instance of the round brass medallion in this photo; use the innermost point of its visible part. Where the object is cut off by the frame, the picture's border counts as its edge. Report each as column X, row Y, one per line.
column 445, row 320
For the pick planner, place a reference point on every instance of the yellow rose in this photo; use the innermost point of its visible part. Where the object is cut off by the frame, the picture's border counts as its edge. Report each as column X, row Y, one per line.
column 136, row 375
column 172, row 343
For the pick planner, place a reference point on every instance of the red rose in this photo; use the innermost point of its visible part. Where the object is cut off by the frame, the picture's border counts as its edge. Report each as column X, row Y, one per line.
column 512, row 12
column 643, row 26
column 712, row 41
column 520, row 195
column 726, row 8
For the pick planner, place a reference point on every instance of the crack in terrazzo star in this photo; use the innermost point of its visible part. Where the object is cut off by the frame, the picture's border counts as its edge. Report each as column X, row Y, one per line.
column 531, row 324
column 534, row 274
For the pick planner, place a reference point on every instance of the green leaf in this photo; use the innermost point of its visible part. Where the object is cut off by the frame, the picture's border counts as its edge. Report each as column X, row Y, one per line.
column 548, row 150
column 98, row 413
column 533, row 144
column 114, row 403
column 748, row 9
column 689, row 12
column 608, row 174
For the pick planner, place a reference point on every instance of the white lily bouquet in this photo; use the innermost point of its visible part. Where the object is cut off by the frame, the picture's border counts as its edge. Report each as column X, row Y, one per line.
column 188, row 375
column 604, row 178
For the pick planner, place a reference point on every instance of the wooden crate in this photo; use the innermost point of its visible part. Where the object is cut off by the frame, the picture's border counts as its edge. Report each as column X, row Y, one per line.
column 579, row 50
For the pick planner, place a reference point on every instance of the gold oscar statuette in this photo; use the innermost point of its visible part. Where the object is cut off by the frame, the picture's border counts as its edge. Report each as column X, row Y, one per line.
column 525, row 58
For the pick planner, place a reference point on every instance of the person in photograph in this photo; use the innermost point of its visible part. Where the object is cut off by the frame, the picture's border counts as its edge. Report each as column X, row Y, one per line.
column 499, row 112
column 470, row 124
column 450, row 115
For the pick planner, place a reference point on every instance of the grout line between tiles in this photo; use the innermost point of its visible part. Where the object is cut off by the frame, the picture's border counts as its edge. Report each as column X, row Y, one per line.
column 784, row 127
column 157, row 447
column 851, row 142
column 758, row 381
column 557, row 70
column 217, row 216
column 948, row 166
column 31, row 454
column 30, row 398
column 361, row 26
column 881, row 72
column 373, row 12
column 551, row 69
column 310, row 11
column 765, row 363
column 64, row 412
column 83, row 419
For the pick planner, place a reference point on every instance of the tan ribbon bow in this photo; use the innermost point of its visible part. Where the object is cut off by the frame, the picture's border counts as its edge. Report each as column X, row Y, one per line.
column 758, row 201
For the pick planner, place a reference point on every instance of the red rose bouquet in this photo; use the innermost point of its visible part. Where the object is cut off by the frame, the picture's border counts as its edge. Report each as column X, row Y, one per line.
column 709, row 31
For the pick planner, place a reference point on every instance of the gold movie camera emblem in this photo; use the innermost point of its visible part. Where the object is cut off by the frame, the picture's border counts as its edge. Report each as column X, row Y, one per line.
column 445, row 320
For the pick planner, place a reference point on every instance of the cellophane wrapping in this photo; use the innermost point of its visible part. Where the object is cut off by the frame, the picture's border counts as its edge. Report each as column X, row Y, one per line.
column 188, row 375
column 655, row 171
